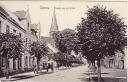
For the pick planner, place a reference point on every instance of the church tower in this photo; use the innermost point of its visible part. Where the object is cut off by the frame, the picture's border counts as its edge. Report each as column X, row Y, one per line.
column 54, row 25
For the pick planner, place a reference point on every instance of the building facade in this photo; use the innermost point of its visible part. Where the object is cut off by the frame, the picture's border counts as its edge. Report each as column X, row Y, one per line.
column 119, row 61
column 19, row 23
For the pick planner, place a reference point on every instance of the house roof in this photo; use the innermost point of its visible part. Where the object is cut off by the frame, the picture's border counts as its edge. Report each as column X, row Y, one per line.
column 47, row 40
column 52, row 48
column 3, row 11
column 21, row 14
column 50, row 43
column 34, row 26
column 11, row 17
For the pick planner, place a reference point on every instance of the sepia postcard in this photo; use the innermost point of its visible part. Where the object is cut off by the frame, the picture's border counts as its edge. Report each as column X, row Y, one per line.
column 63, row 40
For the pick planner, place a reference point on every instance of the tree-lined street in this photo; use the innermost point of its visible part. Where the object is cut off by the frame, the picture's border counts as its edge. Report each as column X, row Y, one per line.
column 75, row 74
column 93, row 52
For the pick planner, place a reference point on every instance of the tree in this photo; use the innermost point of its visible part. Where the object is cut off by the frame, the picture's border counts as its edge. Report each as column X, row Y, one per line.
column 38, row 50
column 65, row 40
column 11, row 46
column 101, row 34
column 63, row 59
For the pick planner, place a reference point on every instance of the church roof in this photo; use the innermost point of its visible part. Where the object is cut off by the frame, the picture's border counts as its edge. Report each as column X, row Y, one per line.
column 54, row 25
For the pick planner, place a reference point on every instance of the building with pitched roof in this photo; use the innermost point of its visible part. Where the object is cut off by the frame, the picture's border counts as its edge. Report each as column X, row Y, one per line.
column 119, row 61
column 19, row 23
column 49, row 41
column 54, row 25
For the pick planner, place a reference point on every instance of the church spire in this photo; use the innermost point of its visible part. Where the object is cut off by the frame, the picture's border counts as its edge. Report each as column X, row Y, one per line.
column 54, row 25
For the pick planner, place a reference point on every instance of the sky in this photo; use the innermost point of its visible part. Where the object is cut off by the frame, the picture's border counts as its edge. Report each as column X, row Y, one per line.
column 68, row 13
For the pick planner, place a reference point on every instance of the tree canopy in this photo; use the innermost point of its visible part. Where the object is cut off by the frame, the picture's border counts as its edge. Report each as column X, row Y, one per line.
column 11, row 45
column 38, row 50
column 101, row 34
column 65, row 40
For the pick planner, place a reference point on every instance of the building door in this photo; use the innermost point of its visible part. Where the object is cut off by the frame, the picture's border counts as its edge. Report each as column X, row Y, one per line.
column 19, row 62
column 14, row 64
column 102, row 62
column 26, row 61
column 109, row 63
column 121, row 65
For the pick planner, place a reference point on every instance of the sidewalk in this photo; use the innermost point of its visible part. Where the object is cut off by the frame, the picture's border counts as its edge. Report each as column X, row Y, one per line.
column 12, row 78
column 31, row 74
column 111, row 72
column 110, row 75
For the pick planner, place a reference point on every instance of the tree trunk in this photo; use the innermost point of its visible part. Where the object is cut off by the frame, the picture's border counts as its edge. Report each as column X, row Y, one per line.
column 7, row 68
column 99, row 70
column 94, row 64
column 0, row 65
column 37, row 67
column 14, row 64
column 19, row 61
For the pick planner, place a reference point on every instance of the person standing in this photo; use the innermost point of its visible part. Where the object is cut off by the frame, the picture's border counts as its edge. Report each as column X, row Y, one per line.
column 50, row 65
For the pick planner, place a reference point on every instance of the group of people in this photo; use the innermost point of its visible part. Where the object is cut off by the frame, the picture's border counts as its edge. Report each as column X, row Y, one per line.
column 50, row 64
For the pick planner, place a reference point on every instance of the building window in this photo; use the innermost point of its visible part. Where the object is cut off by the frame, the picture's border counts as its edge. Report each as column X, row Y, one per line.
column 29, row 42
column 29, row 61
column 20, row 35
column 26, row 41
column 20, row 61
column 3, row 62
column 33, row 61
column 7, row 29
column 0, row 26
column 14, row 64
column 14, row 31
column 28, row 25
column 26, row 61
